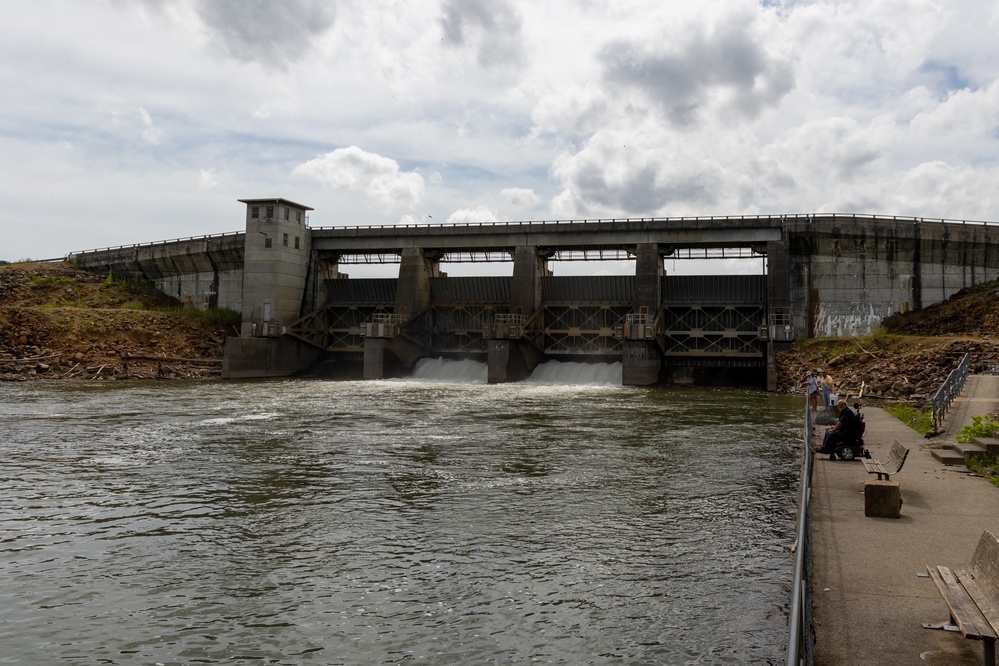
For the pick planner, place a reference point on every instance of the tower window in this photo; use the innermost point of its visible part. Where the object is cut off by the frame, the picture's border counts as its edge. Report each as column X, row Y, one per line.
column 255, row 212
column 298, row 216
column 267, row 241
column 284, row 241
column 296, row 242
column 287, row 213
column 270, row 212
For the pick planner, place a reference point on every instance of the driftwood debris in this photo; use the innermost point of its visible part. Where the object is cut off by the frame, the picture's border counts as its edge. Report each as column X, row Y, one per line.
column 168, row 359
column 29, row 359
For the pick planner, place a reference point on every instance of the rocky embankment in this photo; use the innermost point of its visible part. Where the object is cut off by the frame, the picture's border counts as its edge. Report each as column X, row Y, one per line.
column 912, row 354
column 57, row 321
column 890, row 367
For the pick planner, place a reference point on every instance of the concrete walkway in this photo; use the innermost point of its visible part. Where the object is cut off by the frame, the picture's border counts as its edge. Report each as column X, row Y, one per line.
column 979, row 398
column 870, row 598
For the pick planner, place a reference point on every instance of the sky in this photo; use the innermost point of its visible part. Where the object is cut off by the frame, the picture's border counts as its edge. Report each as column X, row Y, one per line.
column 131, row 121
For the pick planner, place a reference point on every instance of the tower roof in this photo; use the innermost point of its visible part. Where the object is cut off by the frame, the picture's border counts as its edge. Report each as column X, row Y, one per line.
column 273, row 202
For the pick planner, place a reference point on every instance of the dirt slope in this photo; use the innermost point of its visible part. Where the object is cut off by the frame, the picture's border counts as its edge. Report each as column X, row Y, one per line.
column 58, row 321
column 914, row 352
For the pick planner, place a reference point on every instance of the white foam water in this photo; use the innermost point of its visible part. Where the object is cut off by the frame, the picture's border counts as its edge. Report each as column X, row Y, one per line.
column 559, row 372
column 550, row 373
column 463, row 371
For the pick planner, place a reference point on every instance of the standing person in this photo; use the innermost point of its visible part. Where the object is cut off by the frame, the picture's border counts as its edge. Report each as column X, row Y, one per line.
column 828, row 387
column 812, row 390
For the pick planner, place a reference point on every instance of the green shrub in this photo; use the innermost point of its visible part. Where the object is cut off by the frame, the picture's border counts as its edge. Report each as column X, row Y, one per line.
column 210, row 317
column 113, row 280
column 981, row 426
column 987, row 466
column 919, row 419
column 53, row 279
column 217, row 316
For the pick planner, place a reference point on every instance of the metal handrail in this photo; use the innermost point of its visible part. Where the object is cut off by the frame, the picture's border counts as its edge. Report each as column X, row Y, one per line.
column 151, row 243
column 388, row 318
column 688, row 218
column 695, row 218
column 949, row 390
column 510, row 318
column 799, row 643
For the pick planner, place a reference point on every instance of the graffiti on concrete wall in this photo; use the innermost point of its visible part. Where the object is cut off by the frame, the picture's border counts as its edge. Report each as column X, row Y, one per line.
column 847, row 319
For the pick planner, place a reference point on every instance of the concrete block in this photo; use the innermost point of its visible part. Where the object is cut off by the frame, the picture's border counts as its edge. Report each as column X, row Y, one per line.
column 971, row 452
column 948, row 456
column 640, row 364
column 882, row 499
column 990, row 444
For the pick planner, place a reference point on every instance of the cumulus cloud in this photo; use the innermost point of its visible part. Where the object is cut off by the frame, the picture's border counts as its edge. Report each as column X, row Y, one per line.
column 472, row 215
column 208, row 178
column 492, row 27
column 645, row 107
column 272, row 33
column 963, row 119
column 520, row 196
column 831, row 150
column 942, row 190
column 722, row 63
column 645, row 170
column 138, row 121
column 378, row 178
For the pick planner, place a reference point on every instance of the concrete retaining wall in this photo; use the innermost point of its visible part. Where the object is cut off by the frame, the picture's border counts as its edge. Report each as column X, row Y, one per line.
column 847, row 274
column 200, row 272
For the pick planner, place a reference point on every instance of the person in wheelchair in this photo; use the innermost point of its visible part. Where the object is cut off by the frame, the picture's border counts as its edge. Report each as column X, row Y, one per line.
column 847, row 427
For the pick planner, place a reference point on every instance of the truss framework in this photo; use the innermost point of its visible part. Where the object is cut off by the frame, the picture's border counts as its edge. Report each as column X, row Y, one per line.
column 454, row 329
column 725, row 329
column 337, row 328
column 577, row 328
column 582, row 328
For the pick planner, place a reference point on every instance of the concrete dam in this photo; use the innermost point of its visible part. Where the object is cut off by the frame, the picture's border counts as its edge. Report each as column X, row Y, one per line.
column 824, row 275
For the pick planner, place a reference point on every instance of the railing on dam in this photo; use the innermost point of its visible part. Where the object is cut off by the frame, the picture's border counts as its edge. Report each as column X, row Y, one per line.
column 799, row 644
column 495, row 225
column 696, row 218
column 155, row 243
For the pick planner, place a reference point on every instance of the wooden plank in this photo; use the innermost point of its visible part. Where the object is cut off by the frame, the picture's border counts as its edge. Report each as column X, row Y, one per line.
column 873, row 466
column 983, row 595
column 986, row 557
column 962, row 607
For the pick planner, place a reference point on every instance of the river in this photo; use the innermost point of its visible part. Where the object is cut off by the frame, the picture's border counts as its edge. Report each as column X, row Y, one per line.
column 437, row 520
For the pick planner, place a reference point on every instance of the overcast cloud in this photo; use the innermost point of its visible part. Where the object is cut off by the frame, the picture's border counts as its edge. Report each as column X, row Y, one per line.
column 129, row 121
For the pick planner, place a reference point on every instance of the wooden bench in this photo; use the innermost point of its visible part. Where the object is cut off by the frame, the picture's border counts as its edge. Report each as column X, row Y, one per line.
column 884, row 469
column 972, row 595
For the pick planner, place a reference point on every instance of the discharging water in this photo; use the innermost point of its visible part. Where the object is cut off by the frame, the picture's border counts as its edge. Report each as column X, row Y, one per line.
column 428, row 521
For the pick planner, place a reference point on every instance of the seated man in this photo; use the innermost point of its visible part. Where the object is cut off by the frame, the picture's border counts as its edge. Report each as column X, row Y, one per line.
column 846, row 428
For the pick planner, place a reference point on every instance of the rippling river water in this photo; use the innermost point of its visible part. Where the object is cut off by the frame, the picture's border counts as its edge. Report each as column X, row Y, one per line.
column 425, row 522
